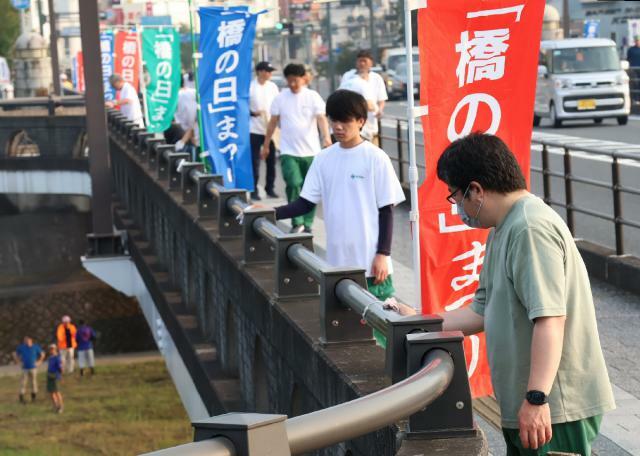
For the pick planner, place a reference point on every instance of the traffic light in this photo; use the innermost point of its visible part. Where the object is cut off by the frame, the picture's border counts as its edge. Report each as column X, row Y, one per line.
column 279, row 26
column 290, row 27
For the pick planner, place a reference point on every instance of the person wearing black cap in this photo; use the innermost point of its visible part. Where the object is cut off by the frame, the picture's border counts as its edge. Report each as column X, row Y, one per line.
column 261, row 94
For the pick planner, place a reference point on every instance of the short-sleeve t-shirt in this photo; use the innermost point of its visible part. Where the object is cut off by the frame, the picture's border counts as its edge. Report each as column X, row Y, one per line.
column 532, row 268
column 54, row 366
column 364, row 88
column 352, row 185
column 298, row 125
column 29, row 355
column 131, row 110
column 260, row 98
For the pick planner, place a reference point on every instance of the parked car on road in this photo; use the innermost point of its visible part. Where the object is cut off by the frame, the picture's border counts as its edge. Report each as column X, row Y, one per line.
column 397, row 81
column 581, row 78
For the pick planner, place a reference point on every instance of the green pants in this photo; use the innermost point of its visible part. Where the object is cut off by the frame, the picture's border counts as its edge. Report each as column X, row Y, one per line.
column 382, row 291
column 573, row 437
column 294, row 170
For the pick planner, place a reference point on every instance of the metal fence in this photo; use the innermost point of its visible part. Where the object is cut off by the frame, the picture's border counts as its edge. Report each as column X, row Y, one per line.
column 425, row 364
column 543, row 146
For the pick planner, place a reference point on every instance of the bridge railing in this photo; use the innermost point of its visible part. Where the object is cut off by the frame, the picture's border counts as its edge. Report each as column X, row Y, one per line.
column 416, row 347
column 545, row 145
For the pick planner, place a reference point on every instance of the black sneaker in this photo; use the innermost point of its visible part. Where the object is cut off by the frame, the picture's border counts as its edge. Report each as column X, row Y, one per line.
column 297, row 229
column 255, row 196
column 307, row 229
column 272, row 194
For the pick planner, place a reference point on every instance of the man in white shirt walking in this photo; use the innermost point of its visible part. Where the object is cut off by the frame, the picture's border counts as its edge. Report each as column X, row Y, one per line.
column 300, row 112
column 186, row 117
column 262, row 92
column 128, row 100
column 371, row 86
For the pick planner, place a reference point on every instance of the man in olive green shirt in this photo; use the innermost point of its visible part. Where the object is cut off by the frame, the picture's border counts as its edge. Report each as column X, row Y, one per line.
column 534, row 303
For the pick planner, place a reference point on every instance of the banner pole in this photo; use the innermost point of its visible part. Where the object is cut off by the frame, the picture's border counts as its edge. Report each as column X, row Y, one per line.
column 414, row 217
column 195, row 57
column 141, row 81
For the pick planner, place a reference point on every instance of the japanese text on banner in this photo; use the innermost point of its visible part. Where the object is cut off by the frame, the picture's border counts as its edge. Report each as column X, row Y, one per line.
column 126, row 57
column 484, row 81
column 161, row 56
column 224, row 75
column 106, row 54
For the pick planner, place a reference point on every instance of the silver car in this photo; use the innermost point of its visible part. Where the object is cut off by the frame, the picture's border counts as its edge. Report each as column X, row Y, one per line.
column 581, row 78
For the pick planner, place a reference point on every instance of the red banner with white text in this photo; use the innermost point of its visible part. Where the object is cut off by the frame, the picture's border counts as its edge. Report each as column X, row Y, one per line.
column 126, row 57
column 478, row 68
column 80, row 86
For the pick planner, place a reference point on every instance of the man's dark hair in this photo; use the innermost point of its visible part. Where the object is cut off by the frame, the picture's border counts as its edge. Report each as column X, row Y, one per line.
column 345, row 105
column 482, row 158
column 294, row 69
column 365, row 54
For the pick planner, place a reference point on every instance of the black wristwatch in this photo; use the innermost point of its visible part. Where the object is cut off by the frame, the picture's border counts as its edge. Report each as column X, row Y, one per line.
column 535, row 397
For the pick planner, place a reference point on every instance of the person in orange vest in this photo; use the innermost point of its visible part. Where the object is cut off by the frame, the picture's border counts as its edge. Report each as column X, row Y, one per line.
column 66, row 335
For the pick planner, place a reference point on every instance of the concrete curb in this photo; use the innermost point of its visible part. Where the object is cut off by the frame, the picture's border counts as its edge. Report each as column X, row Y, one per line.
column 621, row 271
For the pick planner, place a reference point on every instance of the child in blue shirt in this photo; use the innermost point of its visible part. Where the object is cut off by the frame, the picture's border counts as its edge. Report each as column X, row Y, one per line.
column 54, row 375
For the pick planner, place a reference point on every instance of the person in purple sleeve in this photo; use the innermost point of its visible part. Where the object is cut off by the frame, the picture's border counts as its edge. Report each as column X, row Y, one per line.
column 85, row 337
column 54, row 375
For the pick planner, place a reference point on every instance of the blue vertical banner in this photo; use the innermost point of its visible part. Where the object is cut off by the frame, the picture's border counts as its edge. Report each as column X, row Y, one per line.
column 591, row 28
column 106, row 54
column 224, row 73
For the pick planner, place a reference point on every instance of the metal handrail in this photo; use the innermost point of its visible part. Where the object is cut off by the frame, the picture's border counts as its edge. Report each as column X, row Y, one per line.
column 351, row 419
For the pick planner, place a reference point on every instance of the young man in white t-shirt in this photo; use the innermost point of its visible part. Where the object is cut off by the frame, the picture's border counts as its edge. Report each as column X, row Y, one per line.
column 376, row 91
column 300, row 112
column 128, row 101
column 358, row 187
column 262, row 92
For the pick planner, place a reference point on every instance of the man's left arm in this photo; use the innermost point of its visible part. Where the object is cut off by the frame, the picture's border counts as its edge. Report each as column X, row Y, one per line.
column 323, row 125
column 546, row 351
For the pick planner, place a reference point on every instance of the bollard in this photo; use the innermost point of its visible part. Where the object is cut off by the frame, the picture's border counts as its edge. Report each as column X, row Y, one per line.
column 252, row 434
column 187, row 185
column 451, row 414
column 338, row 322
column 228, row 226
column 397, row 331
column 290, row 280
column 256, row 248
column 207, row 205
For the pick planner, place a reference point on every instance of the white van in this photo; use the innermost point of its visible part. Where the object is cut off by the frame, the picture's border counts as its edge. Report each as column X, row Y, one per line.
column 581, row 78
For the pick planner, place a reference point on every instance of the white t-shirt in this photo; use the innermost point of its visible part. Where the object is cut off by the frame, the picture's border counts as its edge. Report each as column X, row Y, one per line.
column 298, row 125
column 352, row 185
column 187, row 109
column 364, row 88
column 132, row 109
column 260, row 98
column 373, row 87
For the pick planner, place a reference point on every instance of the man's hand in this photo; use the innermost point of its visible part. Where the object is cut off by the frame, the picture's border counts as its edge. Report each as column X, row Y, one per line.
column 379, row 114
column 264, row 151
column 109, row 104
column 326, row 143
column 380, row 268
column 535, row 425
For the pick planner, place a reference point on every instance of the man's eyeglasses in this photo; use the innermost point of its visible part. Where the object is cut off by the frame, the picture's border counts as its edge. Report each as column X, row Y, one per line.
column 451, row 198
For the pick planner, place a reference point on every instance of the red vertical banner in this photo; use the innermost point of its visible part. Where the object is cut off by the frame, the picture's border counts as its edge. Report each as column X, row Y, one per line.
column 478, row 69
column 80, row 87
column 126, row 57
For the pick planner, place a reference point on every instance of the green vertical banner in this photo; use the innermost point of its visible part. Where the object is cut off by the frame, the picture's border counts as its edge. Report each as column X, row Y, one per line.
column 161, row 57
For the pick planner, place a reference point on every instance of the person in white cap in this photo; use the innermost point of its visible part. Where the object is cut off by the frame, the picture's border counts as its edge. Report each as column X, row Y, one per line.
column 66, row 335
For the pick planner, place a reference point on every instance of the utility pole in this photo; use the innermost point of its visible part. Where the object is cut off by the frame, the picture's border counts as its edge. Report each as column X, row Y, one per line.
column 53, row 42
column 96, row 120
column 566, row 20
column 332, row 70
column 372, row 31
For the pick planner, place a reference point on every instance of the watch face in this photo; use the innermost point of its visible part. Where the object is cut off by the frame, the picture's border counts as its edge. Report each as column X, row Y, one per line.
column 536, row 397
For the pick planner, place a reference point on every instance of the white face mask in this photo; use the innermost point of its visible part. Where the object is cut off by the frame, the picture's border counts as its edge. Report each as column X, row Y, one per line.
column 473, row 222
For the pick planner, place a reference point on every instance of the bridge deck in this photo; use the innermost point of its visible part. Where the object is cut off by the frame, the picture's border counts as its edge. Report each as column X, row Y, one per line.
column 618, row 316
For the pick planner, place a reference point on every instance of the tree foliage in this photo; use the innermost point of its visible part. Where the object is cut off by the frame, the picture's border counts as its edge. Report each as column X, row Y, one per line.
column 9, row 29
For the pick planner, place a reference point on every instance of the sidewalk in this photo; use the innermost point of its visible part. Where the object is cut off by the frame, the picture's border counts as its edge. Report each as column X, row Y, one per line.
column 618, row 315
